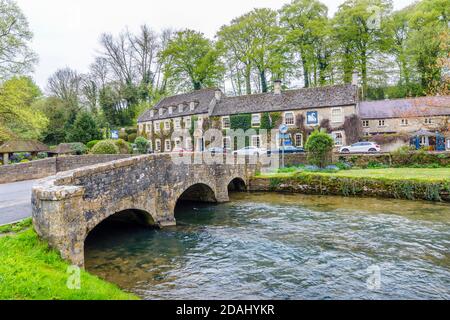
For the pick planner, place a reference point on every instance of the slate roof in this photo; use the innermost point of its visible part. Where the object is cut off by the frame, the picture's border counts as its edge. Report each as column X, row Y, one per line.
column 23, row 146
column 330, row 96
column 402, row 108
column 64, row 148
column 202, row 98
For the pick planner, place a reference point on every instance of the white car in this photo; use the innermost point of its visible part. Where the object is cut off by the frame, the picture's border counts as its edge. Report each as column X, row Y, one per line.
column 250, row 151
column 361, row 147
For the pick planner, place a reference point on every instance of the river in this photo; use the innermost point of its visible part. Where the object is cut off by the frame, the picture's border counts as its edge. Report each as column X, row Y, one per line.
column 273, row 246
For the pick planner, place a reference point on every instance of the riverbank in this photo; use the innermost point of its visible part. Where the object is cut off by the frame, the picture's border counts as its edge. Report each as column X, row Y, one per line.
column 29, row 270
column 398, row 183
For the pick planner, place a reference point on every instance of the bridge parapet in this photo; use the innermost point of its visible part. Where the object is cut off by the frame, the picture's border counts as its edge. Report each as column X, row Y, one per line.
column 68, row 206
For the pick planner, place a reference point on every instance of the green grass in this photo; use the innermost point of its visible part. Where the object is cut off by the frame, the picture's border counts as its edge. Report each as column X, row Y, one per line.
column 417, row 174
column 29, row 270
column 16, row 227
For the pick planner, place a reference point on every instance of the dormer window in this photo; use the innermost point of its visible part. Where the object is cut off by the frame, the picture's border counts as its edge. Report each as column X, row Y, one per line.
column 180, row 108
column 161, row 111
column 152, row 114
column 192, row 106
column 170, row 110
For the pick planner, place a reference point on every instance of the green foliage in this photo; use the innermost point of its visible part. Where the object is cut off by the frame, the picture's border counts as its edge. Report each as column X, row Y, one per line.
column 92, row 143
column 105, row 147
column 123, row 136
column 78, row 147
column 319, row 147
column 241, row 121
column 142, row 145
column 124, row 147
column 132, row 137
column 17, row 227
column 31, row 271
column 84, row 129
column 194, row 60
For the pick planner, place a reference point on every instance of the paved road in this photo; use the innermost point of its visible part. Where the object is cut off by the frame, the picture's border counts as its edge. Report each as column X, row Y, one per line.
column 15, row 201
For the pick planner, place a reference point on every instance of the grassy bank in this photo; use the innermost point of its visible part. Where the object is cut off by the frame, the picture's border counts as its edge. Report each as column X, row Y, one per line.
column 416, row 174
column 29, row 270
column 401, row 183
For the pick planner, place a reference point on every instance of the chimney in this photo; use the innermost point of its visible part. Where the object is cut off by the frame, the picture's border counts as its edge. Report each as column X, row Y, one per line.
column 355, row 78
column 218, row 95
column 277, row 87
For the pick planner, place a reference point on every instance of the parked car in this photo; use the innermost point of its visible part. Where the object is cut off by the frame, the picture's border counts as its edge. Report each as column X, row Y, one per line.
column 361, row 147
column 287, row 150
column 218, row 150
column 250, row 151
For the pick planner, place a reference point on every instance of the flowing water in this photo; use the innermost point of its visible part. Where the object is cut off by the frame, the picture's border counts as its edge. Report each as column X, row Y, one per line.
column 272, row 246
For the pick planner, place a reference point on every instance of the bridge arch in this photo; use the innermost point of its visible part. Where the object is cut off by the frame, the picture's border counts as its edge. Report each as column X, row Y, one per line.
column 201, row 192
column 237, row 184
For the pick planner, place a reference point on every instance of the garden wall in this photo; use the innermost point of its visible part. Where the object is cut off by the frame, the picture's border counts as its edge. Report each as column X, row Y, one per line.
column 47, row 167
column 329, row 185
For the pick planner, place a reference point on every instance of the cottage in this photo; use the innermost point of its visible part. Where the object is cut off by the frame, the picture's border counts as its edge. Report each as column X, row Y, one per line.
column 422, row 122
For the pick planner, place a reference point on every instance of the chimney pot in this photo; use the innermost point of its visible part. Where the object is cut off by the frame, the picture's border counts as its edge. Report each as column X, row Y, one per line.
column 277, row 86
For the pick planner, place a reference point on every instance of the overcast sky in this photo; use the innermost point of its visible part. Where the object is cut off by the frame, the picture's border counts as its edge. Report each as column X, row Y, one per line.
column 66, row 32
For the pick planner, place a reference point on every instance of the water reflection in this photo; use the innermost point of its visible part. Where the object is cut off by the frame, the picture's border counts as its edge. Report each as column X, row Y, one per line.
column 272, row 246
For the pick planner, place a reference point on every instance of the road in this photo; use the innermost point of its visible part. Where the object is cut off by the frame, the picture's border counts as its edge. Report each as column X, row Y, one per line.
column 15, row 201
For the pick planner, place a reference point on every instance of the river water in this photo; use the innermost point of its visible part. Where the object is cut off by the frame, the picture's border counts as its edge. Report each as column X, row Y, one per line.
column 272, row 246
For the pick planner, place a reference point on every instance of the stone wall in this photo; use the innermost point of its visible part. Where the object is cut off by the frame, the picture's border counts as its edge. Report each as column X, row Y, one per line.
column 28, row 171
column 48, row 167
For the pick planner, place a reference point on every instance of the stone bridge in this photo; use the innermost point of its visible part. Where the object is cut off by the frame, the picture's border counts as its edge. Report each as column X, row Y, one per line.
column 68, row 206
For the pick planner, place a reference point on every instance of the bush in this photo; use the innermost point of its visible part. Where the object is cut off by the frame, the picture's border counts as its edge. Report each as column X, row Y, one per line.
column 84, row 129
column 319, row 146
column 78, row 147
column 132, row 137
column 124, row 147
column 105, row 147
column 142, row 145
column 92, row 143
column 123, row 136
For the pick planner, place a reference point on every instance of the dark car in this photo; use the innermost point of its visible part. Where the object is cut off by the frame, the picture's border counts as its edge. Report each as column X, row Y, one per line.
column 287, row 150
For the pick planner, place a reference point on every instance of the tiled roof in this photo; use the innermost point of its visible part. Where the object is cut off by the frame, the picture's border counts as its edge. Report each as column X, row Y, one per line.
column 330, row 96
column 23, row 146
column 402, row 108
column 202, row 99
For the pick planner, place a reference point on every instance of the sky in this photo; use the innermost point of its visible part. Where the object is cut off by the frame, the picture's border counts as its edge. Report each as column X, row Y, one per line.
column 66, row 32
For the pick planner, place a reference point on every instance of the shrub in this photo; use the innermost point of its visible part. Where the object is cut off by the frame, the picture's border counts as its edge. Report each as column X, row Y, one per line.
column 124, row 147
column 319, row 146
column 105, row 147
column 132, row 137
column 142, row 144
column 123, row 136
column 84, row 129
column 92, row 143
column 78, row 147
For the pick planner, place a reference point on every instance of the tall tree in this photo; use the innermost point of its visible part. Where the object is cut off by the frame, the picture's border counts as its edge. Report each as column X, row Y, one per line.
column 361, row 35
column 66, row 85
column 16, row 56
column 194, row 59
column 307, row 33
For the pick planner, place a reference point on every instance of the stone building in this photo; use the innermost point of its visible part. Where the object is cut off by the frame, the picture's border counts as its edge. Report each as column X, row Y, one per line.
column 301, row 110
column 396, row 122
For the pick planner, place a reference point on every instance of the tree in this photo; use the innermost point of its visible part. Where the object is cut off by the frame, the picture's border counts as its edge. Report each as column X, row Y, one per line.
column 360, row 31
column 16, row 56
column 54, row 109
column 84, row 129
column 194, row 60
column 307, row 33
column 319, row 146
column 17, row 117
column 66, row 85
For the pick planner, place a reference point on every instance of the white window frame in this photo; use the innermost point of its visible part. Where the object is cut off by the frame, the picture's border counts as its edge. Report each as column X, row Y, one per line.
column 167, row 125
column 341, row 115
column 158, row 145
column 180, row 108
column 167, row 142
column 334, row 135
column 149, row 126
column 152, row 113
column 188, row 144
column 177, row 143
column 259, row 141
column 256, row 125
column 404, row 122
column 380, row 123
column 366, row 124
column 285, row 118
column 177, row 124
column 188, row 122
column 161, row 111
column 170, row 110
column 200, row 122
column 157, row 126
column 223, row 123
column 301, row 140
column 428, row 121
column 192, row 106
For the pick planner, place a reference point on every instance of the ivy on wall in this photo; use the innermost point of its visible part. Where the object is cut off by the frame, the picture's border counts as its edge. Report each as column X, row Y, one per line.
column 241, row 121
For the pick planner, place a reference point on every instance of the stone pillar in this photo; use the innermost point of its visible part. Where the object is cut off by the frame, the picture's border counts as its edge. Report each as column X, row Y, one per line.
column 5, row 158
column 165, row 207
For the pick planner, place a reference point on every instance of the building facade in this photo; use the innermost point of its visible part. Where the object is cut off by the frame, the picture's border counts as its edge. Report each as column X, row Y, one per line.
column 336, row 109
